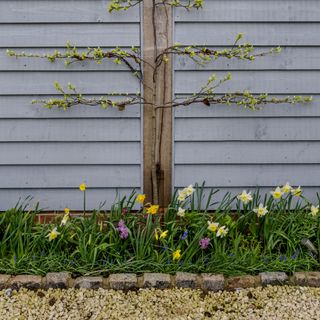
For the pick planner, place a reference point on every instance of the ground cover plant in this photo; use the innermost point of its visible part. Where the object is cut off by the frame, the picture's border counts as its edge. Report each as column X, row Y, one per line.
column 244, row 234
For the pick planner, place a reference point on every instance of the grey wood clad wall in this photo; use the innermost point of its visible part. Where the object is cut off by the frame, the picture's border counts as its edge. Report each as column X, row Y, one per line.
column 231, row 148
column 44, row 153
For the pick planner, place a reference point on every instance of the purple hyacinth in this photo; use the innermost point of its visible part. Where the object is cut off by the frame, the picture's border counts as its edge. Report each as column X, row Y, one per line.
column 185, row 235
column 204, row 243
column 123, row 230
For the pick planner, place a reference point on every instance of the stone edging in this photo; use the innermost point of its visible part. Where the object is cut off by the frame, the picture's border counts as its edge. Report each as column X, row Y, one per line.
column 130, row 281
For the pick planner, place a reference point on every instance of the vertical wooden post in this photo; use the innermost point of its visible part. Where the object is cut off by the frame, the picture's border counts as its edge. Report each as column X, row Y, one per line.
column 157, row 36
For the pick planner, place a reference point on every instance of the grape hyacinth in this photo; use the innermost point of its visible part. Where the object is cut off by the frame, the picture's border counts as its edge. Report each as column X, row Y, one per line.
column 123, row 230
column 204, row 243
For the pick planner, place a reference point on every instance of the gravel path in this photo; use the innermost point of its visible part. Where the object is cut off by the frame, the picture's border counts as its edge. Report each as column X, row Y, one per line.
column 269, row 303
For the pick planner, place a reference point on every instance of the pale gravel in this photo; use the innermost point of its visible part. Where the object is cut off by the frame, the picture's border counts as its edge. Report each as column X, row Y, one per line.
column 261, row 303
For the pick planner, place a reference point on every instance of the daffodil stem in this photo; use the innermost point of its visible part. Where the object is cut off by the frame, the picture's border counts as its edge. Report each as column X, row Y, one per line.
column 84, row 203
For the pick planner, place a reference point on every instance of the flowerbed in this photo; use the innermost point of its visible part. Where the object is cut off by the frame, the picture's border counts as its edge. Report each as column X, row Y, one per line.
column 245, row 234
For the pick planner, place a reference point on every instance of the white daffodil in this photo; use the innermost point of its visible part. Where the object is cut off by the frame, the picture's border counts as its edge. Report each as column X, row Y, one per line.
column 65, row 219
column 277, row 193
column 181, row 212
column 189, row 190
column 314, row 210
column 261, row 210
column 286, row 188
column 245, row 197
column 222, row 232
column 297, row 192
column 213, row 226
column 53, row 234
column 182, row 195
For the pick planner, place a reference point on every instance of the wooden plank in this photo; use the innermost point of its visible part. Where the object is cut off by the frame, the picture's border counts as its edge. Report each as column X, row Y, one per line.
column 276, row 82
column 247, row 152
column 248, row 10
column 35, row 64
column 22, row 83
column 69, row 130
column 311, row 109
column 291, row 58
column 261, row 33
column 59, row 153
column 22, row 107
column 57, row 35
column 236, row 129
column 98, row 176
column 35, row 11
column 58, row 199
column 248, row 175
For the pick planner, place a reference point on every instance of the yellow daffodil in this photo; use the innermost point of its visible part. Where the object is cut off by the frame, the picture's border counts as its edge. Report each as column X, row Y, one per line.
column 297, row 192
column 141, row 198
column 83, row 187
column 222, row 232
column 286, row 188
column 245, row 197
column 153, row 209
column 181, row 212
column 261, row 210
column 277, row 193
column 213, row 226
column 66, row 210
column 314, row 210
column 53, row 234
column 176, row 255
column 156, row 234
column 164, row 234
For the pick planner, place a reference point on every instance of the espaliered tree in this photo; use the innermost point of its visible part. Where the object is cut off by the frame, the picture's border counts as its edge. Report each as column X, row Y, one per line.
column 157, row 64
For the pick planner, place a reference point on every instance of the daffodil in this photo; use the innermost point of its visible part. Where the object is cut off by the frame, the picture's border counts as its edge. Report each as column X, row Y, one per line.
column 65, row 219
column 182, row 195
column 213, row 226
column 66, row 210
column 286, row 188
column 53, row 234
column 141, row 198
column 156, row 234
column 277, row 193
column 189, row 190
column 245, row 197
column 181, row 212
column 314, row 210
column 153, row 209
column 83, row 187
column 176, row 255
column 164, row 234
column 297, row 192
column 222, row 232
column 261, row 210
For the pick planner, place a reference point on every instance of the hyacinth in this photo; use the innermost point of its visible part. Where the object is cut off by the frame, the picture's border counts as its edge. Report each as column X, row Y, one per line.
column 204, row 243
column 123, row 230
column 185, row 235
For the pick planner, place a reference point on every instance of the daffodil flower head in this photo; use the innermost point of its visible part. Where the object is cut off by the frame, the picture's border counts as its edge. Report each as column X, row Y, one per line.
column 140, row 198
column 83, row 187
column 182, row 195
column 181, row 212
column 189, row 190
column 66, row 210
column 314, row 210
column 213, row 226
column 153, row 209
column 261, row 210
column 222, row 231
column 163, row 234
column 64, row 220
column 277, row 193
column 286, row 188
column 245, row 197
column 297, row 192
column 176, row 255
column 53, row 234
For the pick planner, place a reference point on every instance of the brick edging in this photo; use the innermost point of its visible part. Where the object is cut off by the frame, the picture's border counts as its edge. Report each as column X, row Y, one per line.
column 131, row 281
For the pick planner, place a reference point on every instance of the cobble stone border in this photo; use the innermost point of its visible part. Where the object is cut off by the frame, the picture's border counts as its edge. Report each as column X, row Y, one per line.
column 131, row 281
